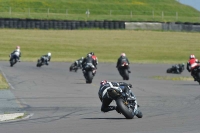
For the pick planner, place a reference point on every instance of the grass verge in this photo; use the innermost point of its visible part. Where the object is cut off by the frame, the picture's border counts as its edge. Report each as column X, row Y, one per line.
column 69, row 45
column 3, row 82
column 173, row 78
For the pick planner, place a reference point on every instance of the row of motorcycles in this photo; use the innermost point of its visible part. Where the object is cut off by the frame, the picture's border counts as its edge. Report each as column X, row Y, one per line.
column 40, row 62
column 90, row 70
column 124, row 101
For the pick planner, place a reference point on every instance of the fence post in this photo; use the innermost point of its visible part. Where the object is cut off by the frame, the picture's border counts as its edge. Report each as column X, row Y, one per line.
column 110, row 12
column 29, row 11
column 48, row 12
column 10, row 11
column 153, row 14
column 131, row 14
column 176, row 16
column 66, row 12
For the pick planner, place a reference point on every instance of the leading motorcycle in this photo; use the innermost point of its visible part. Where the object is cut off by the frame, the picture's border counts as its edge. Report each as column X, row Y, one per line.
column 13, row 60
column 123, row 70
column 125, row 104
column 89, row 72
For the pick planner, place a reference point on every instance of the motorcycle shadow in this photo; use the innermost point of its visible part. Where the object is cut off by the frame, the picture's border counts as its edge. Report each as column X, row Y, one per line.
column 104, row 118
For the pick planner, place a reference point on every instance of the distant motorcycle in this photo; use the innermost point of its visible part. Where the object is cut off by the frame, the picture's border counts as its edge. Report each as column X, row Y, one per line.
column 125, row 103
column 41, row 62
column 123, row 70
column 176, row 69
column 89, row 72
column 13, row 60
column 76, row 65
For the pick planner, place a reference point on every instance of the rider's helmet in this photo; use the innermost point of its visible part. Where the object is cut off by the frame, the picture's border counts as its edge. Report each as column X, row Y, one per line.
column 89, row 55
column 82, row 58
column 192, row 56
column 103, row 82
column 92, row 53
column 18, row 47
column 123, row 54
column 49, row 54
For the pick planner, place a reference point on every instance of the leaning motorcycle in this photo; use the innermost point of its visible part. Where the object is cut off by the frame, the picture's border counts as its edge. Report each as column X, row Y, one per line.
column 13, row 60
column 125, row 104
column 41, row 62
column 123, row 70
column 177, row 69
column 75, row 66
column 89, row 72
column 196, row 71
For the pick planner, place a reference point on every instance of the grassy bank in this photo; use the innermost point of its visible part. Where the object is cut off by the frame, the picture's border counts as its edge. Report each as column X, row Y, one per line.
column 140, row 46
column 135, row 10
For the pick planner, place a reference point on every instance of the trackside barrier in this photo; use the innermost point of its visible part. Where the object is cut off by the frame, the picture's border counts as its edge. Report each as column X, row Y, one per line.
column 58, row 24
column 170, row 26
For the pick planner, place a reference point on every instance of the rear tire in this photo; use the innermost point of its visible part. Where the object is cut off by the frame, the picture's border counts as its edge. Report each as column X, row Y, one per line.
column 89, row 76
column 126, row 74
column 127, row 112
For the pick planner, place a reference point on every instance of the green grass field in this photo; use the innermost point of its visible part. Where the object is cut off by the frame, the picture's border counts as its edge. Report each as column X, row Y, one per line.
column 69, row 45
column 3, row 82
column 129, row 10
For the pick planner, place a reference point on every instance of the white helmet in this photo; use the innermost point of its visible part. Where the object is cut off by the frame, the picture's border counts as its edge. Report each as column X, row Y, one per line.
column 49, row 54
column 192, row 56
column 123, row 54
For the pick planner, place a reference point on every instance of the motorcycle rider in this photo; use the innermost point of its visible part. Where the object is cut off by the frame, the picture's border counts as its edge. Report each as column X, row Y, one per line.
column 78, row 63
column 46, row 58
column 103, row 96
column 94, row 57
column 122, row 59
column 87, row 60
column 16, row 53
column 191, row 64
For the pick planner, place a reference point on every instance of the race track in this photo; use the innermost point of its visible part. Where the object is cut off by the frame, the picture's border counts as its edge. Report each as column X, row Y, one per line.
column 61, row 102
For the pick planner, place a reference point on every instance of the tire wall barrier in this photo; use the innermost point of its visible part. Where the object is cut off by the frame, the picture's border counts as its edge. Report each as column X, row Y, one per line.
column 58, row 24
column 194, row 27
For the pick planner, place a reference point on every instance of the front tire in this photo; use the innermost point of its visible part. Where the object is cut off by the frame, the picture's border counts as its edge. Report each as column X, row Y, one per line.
column 126, row 74
column 169, row 70
column 127, row 112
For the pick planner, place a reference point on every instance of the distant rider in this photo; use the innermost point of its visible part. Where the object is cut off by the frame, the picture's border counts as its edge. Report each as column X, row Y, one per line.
column 16, row 54
column 78, row 63
column 191, row 64
column 103, row 96
column 94, row 57
column 46, row 58
column 121, row 60
column 87, row 61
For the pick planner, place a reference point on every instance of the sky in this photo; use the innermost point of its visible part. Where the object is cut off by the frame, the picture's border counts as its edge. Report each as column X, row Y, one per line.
column 193, row 3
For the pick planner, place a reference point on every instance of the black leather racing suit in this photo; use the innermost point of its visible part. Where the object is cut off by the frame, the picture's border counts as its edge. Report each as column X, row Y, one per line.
column 120, row 60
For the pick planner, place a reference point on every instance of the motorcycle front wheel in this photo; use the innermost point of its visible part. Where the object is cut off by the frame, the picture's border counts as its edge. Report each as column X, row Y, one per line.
column 124, row 109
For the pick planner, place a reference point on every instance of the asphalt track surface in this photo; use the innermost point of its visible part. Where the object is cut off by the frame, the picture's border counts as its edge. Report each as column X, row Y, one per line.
column 61, row 102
